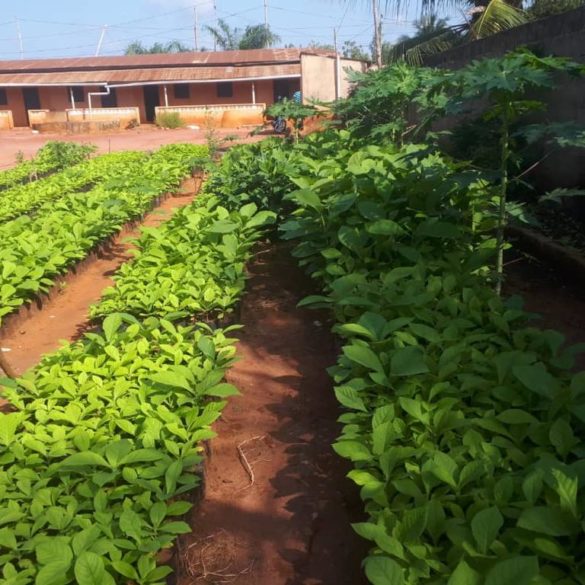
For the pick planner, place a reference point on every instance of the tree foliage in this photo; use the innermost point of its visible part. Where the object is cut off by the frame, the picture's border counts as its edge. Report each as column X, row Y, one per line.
column 229, row 38
column 137, row 48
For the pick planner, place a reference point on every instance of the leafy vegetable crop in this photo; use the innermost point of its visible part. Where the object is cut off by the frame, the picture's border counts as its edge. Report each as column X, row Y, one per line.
column 34, row 250
column 51, row 157
column 105, row 437
column 89, row 174
column 464, row 425
column 192, row 265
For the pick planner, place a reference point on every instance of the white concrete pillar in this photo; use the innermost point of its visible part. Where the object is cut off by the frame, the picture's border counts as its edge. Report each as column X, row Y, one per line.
column 166, row 97
column 253, row 92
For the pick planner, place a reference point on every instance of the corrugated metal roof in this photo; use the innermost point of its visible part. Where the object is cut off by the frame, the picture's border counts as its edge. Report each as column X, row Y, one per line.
column 116, row 76
column 200, row 59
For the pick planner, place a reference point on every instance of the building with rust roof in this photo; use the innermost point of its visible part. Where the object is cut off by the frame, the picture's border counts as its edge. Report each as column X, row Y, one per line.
column 244, row 81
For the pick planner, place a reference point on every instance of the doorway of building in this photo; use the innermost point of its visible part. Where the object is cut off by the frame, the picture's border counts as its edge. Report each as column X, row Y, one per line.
column 32, row 101
column 285, row 88
column 151, row 101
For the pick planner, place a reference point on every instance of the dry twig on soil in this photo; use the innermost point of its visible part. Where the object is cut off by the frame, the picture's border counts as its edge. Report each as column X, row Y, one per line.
column 245, row 462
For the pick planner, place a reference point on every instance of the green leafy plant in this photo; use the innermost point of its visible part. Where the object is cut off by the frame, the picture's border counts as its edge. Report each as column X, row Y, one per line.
column 34, row 250
column 294, row 112
column 506, row 84
column 53, row 156
column 170, row 120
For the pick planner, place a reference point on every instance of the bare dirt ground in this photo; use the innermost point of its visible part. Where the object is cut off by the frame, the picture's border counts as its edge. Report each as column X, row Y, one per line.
column 277, row 507
column 65, row 316
column 146, row 137
column 559, row 303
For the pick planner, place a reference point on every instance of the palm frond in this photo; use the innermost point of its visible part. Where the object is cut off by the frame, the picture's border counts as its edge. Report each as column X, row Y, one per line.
column 496, row 17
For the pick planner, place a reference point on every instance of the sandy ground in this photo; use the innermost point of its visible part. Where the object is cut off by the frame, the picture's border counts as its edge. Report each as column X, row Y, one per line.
column 145, row 137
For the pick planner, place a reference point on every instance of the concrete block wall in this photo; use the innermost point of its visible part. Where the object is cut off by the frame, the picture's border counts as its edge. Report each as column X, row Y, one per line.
column 562, row 35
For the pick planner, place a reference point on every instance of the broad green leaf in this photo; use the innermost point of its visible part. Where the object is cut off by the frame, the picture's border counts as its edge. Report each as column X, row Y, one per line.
column 485, row 527
column 52, row 550
column 536, row 378
column 85, row 459
column 408, row 361
column 125, row 569
column 567, row 488
column 464, row 575
column 131, row 524
column 111, row 325
column 307, row 198
column 173, row 379
column 223, row 391
column 515, row 571
column 90, row 570
column 444, row 468
column 353, row 450
column 350, row 398
column 549, row 521
column 384, row 571
column 8, row 425
column 54, row 573
column 384, row 227
column 363, row 356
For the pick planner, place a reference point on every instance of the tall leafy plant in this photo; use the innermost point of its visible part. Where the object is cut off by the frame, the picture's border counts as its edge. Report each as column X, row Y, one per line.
column 507, row 90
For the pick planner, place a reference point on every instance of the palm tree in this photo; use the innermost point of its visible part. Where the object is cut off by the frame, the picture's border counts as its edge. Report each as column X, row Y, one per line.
column 481, row 18
column 257, row 36
column 226, row 37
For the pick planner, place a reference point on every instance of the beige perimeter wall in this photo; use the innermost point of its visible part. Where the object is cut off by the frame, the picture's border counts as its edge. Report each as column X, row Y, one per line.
column 318, row 81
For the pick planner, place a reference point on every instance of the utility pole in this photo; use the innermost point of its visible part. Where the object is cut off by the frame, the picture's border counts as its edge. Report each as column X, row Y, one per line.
column 101, row 41
column 196, row 27
column 266, row 14
column 215, row 14
column 19, row 35
column 337, row 66
column 377, row 32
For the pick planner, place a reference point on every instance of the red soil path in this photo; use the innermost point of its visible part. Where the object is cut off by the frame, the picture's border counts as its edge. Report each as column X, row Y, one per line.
column 145, row 137
column 291, row 525
column 65, row 315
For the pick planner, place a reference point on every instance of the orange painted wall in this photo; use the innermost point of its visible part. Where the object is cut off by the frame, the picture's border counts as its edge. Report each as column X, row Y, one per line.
column 16, row 104
column 201, row 94
column 131, row 97
column 54, row 98
column 58, row 98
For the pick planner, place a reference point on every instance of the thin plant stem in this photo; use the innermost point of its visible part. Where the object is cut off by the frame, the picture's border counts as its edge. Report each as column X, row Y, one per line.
column 500, row 237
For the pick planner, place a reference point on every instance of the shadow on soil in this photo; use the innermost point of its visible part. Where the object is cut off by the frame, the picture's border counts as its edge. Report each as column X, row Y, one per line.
column 322, row 501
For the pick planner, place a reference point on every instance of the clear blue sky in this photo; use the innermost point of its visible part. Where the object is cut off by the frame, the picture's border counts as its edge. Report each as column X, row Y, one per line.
column 68, row 28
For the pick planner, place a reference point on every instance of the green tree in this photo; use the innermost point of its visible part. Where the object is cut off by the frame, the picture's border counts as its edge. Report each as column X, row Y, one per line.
column 137, row 48
column 544, row 8
column 351, row 50
column 229, row 38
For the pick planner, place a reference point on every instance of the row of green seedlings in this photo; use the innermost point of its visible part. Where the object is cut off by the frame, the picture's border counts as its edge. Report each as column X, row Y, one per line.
column 464, row 423
column 34, row 250
column 103, row 448
column 32, row 197
column 53, row 156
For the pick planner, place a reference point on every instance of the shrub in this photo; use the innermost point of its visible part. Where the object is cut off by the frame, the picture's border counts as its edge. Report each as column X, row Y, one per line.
column 169, row 120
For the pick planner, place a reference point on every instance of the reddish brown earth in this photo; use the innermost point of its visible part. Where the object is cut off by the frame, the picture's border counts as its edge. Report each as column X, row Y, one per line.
column 65, row 315
column 560, row 304
column 285, row 519
column 145, row 137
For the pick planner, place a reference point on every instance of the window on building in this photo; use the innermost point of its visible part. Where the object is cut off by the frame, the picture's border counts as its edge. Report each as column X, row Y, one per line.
column 182, row 91
column 78, row 93
column 3, row 97
column 225, row 89
column 110, row 101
